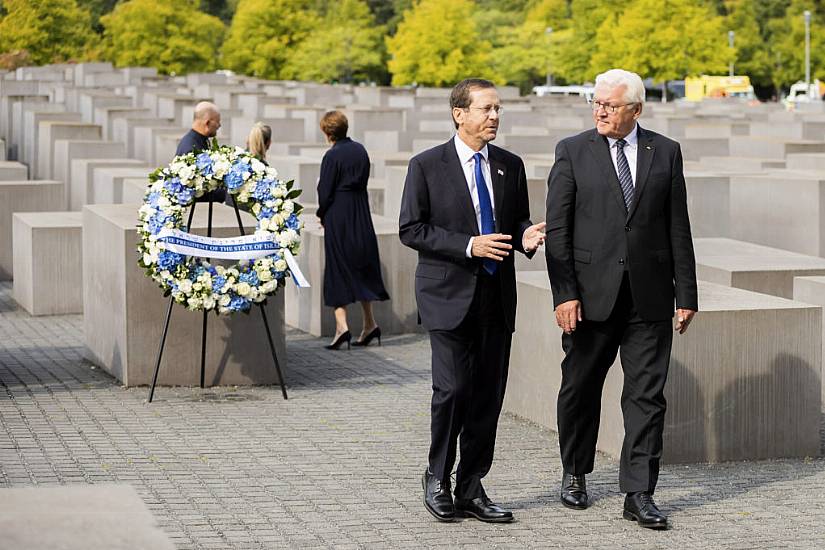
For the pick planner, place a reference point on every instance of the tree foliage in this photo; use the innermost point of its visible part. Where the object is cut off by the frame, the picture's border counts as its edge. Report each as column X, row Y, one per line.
column 346, row 46
column 51, row 31
column 171, row 35
column 263, row 34
column 789, row 44
column 437, row 44
column 651, row 38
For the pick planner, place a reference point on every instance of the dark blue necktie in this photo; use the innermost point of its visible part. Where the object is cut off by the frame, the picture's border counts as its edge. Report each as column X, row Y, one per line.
column 488, row 225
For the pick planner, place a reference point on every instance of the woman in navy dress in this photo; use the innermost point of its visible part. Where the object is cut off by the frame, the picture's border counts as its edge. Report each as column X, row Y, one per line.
column 353, row 270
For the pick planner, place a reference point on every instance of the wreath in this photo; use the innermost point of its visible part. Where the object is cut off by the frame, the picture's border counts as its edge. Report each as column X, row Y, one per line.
column 192, row 280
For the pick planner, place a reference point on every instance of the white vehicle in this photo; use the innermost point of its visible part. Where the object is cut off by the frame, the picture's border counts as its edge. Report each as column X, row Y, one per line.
column 799, row 94
column 584, row 91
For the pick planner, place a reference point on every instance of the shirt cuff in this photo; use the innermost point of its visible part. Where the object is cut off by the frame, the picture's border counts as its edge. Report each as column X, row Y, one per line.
column 469, row 251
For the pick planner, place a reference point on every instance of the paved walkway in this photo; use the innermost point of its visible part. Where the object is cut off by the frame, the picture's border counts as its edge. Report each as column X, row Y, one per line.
column 339, row 464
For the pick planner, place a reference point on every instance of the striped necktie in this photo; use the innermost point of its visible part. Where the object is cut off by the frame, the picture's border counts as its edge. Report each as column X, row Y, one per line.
column 625, row 178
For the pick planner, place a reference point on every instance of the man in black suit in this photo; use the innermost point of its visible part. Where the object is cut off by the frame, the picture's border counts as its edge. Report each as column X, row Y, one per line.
column 619, row 251
column 464, row 208
column 205, row 125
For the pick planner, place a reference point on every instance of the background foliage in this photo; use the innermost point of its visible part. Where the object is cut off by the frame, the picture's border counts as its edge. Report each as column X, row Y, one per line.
column 432, row 42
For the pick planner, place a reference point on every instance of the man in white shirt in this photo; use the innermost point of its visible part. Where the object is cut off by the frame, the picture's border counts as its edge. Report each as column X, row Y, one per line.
column 464, row 209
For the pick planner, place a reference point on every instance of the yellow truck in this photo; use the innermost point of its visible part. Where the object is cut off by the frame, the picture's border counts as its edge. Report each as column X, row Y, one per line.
column 700, row 87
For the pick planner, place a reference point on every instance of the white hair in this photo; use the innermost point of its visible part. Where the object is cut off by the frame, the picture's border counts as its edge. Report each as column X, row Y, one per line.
column 634, row 87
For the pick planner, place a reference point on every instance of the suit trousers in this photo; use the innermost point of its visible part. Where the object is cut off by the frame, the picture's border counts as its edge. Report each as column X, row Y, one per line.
column 469, row 368
column 645, row 355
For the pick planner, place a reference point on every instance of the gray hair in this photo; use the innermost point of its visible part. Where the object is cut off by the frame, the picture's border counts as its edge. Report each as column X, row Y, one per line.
column 635, row 88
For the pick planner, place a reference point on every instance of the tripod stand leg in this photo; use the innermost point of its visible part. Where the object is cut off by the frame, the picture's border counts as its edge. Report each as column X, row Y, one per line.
column 205, row 316
column 160, row 349
column 166, row 324
column 274, row 353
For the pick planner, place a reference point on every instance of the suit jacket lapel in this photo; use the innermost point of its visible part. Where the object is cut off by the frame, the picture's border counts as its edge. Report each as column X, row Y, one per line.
column 498, row 173
column 601, row 151
column 457, row 184
column 644, row 158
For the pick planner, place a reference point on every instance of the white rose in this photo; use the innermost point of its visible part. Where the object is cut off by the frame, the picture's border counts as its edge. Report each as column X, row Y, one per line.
column 185, row 286
column 194, row 302
column 186, row 173
column 264, row 275
column 288, row 206
column 224, row 300
column 269, row 286
column 280, row 265
column 157, row 186
column 147, row 259
column 221, row 168
column 243, row 289
column 271, row 173
column 164, row 203
column 209, row 302
column 278, row 191
column 257, row 166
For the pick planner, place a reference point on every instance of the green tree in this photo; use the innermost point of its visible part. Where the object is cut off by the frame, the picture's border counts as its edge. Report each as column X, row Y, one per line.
column 650, row 39
column 170, row 35
column 263, row 33
column 752, row 41
column 347, row 46
column 97, row 8
column 438, row 44
column 573, row 47
column 789, row 44
column 51, row 31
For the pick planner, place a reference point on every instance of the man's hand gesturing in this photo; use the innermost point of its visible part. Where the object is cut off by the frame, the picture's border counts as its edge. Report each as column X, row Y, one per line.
column 533, row 237
column 493, row 246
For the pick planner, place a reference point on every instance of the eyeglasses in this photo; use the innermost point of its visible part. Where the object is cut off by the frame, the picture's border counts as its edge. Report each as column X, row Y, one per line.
column 487, row 110
column 610, row 109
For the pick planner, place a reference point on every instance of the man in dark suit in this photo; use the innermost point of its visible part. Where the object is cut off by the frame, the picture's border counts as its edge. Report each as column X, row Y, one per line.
column 205, row 125
column 464, row 208
column 619, row 251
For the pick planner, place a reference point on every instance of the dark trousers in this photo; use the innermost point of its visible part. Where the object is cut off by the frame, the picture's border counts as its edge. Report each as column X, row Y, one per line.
column 589, row 353
column 469, row 365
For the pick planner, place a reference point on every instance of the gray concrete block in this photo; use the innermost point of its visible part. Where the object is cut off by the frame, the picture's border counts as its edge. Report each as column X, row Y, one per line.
column 107, row 183
column 753, row 267
column 47, row 249
column 23, row 196
column 82, row 184
column 13, row 171
column 51, row 131
column 744, row 381
column 305, row 307
column 304, row 171
column 811, row 290
column 66, row 151
column 79, row 517
column 124, row 311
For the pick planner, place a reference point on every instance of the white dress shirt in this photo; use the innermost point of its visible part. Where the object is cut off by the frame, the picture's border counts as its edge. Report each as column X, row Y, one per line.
column 468, row 164
column 630, row 151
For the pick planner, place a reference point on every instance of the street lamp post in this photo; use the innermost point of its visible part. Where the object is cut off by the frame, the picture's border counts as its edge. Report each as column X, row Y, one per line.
column 807, row 53
column 730, row 45
column 548, row 31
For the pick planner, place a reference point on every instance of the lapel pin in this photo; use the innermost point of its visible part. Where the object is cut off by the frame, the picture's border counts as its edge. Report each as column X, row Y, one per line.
column 647, row 147
column 501, row 172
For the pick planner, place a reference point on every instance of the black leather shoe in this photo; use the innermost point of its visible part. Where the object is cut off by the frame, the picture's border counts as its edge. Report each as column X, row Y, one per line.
column 482, row 509
column 437, row 497
column 574, row 491
column 639, row 507
column 374, row 333
column 344, row 337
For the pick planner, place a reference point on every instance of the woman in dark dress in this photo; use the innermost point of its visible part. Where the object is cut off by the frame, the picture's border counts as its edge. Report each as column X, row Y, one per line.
column 353, row 271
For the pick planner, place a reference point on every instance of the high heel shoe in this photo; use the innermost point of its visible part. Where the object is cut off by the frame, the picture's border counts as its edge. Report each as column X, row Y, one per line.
column 374, row 333
column 345, row 337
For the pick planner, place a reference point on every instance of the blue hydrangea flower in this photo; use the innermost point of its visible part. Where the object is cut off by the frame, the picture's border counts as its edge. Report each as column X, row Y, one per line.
column 261, row 191
column 233, row 179
column 185, row 195
column 217, row 283
column 250, row 278
column 153, row 199
column 239, row 303
column 173, row 185
column 157, row 222
column 169, row 260
column 266, row 213
column 292, row 222
column 212, row 271
column 204, row 164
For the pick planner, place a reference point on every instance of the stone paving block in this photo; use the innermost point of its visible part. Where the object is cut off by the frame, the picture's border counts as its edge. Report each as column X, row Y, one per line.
column 753, row 267
column 23, row 196
column 124, row 311
column 744, row 381
column 47, row 267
